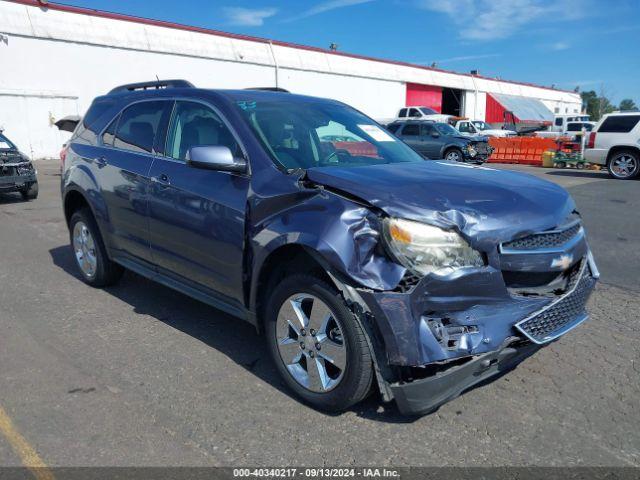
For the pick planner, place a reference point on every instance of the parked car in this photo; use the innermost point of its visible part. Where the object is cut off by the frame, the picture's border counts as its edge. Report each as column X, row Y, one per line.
column 17, row 173
column 419, row 279
column 615, row 143
column 440, row 140
column 478, row 127
column 572, row 130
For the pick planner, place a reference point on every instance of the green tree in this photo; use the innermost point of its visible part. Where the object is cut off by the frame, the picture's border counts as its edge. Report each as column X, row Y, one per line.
column 596, row 105
column 628, row 104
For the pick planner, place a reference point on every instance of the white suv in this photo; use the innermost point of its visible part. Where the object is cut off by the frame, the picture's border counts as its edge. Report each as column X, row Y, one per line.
column 615, row 142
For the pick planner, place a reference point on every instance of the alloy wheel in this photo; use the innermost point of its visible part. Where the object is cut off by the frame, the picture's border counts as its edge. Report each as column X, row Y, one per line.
column 84, row 248
column 311, row 343
column 453, row 156
column 624, row 166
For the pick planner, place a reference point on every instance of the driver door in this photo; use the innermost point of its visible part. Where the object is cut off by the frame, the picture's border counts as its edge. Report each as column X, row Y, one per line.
column 196, row 216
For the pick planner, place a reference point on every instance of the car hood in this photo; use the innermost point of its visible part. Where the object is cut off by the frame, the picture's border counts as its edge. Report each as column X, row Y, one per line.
column 486, row 205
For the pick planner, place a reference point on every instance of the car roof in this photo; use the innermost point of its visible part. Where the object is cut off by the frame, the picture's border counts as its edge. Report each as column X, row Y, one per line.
column 626, row 112
column 232, row 95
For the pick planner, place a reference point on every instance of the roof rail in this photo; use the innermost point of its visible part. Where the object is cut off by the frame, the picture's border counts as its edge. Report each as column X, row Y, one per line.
column 154, row 85
column 269, row 89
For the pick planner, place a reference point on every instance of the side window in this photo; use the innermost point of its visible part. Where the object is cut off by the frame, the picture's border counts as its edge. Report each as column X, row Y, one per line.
column 465, row 127
column 138, row 126
column 619, row 124
column 194, row 124
column 425, row 129
column 403, row 112
column 558, row 122
column 411, row 130
column 413, row 112
column 110, row 133
column 393, row 128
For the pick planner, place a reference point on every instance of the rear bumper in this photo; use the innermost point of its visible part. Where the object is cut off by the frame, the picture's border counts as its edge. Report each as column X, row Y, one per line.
column 596, row 155
column 423, row 396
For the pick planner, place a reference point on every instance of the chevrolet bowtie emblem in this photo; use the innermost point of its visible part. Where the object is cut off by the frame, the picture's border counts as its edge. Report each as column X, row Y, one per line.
column 563, row 262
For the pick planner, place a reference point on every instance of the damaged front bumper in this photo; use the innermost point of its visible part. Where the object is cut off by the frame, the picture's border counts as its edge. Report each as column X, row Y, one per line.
column 16, row 176
column 424, row 395
column 446, row 334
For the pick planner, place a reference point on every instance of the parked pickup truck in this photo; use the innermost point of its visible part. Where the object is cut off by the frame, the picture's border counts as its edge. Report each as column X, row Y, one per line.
column 420, row 279
column 478, row 127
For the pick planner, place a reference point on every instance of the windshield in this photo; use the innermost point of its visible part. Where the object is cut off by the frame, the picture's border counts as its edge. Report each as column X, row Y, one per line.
column 446, row 129
column 428, row 111
column 5, row 143
column 310, row 134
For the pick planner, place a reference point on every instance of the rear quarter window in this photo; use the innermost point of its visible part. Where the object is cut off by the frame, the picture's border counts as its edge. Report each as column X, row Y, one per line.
column 412, row 130
column 619, row 124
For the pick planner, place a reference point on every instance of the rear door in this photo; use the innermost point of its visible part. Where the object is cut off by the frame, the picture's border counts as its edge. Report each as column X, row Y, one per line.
column 123, row 170
column 197, row 216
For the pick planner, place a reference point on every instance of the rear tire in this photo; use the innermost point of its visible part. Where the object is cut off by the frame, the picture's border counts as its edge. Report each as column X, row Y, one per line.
column 624, row 165
column 30, row 192
column 328, row 366
column 96, row 269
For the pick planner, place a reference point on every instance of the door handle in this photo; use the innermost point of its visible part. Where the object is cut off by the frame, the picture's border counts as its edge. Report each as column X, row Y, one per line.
column 101, row 162
column 162, row 180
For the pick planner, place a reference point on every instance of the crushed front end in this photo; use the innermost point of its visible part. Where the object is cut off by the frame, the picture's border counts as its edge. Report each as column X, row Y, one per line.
column 443, row 334
column 16, row 172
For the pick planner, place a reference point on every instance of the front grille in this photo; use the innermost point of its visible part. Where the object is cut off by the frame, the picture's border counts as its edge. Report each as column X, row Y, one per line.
column 544, row 240
column 563, row 314
column 7, row 171
column 482, row 148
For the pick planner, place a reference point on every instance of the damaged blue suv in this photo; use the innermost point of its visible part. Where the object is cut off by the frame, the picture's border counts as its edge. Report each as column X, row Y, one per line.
column 365, row 266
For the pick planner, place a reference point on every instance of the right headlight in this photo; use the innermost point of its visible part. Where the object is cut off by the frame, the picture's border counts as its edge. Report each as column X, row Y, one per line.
column 425, row 249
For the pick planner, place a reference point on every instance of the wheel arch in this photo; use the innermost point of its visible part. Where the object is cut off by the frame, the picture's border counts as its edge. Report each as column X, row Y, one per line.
column 622, row 148
column 289, row 257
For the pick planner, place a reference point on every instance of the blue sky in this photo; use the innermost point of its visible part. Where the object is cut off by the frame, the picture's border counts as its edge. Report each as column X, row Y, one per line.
column 593, row 44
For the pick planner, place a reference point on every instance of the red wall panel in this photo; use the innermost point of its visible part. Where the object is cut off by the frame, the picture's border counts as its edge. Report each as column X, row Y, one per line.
column 424, row 96
column 495, row 111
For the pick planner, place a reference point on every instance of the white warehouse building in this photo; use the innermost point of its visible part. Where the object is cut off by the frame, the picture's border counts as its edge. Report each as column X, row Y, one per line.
column 57, row 58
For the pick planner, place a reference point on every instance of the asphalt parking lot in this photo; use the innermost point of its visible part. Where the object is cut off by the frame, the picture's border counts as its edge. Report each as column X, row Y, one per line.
column 140, row 375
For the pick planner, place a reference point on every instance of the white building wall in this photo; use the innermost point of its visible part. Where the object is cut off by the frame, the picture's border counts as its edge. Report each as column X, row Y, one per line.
column 475, row 107
column 61, row 61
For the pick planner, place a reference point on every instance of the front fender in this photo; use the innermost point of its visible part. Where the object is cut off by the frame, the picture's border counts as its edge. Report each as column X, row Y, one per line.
column 342, row 235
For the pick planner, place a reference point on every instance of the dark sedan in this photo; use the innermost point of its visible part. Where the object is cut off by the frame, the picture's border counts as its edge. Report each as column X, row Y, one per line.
column 440, row 140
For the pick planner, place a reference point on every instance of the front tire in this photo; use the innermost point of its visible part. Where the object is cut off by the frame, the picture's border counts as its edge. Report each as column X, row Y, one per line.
column 317, row 344
column 453, row 155
column 624, row 165
column 30, row 193
column 89, row 252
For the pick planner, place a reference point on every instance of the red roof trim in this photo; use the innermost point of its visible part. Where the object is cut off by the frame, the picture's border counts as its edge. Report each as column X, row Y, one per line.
column 178, row 26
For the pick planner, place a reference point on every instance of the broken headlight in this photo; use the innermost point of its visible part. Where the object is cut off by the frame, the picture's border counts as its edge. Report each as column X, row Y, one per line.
column 425, row 249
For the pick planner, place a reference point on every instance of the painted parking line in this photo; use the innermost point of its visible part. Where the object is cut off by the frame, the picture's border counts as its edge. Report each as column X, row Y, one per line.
column 28, row 456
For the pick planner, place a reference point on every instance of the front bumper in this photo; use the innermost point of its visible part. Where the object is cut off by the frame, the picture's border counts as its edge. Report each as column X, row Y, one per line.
column 13, row 183
column 444, row 334
column 423, row 396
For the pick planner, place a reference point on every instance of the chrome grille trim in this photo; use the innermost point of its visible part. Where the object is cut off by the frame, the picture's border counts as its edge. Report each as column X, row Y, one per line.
column 585, row 281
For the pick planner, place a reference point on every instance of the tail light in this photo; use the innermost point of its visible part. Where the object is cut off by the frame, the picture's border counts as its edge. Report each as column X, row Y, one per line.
column 592, row 140
column 63, row 157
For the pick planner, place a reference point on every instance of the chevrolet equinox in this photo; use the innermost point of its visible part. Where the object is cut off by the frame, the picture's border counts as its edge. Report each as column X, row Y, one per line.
column 366, row 268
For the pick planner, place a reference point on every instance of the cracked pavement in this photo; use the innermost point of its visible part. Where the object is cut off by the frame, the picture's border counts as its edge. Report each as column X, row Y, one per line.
column 139, row 375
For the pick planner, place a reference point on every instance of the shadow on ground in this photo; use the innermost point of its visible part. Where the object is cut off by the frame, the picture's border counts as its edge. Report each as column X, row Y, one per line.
column 234, row 338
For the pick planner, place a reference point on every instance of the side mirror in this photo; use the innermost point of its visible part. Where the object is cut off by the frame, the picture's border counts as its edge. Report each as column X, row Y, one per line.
column 215, row 157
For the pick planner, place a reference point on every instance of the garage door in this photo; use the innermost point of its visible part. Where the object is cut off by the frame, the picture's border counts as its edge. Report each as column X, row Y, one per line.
column 424, row 96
